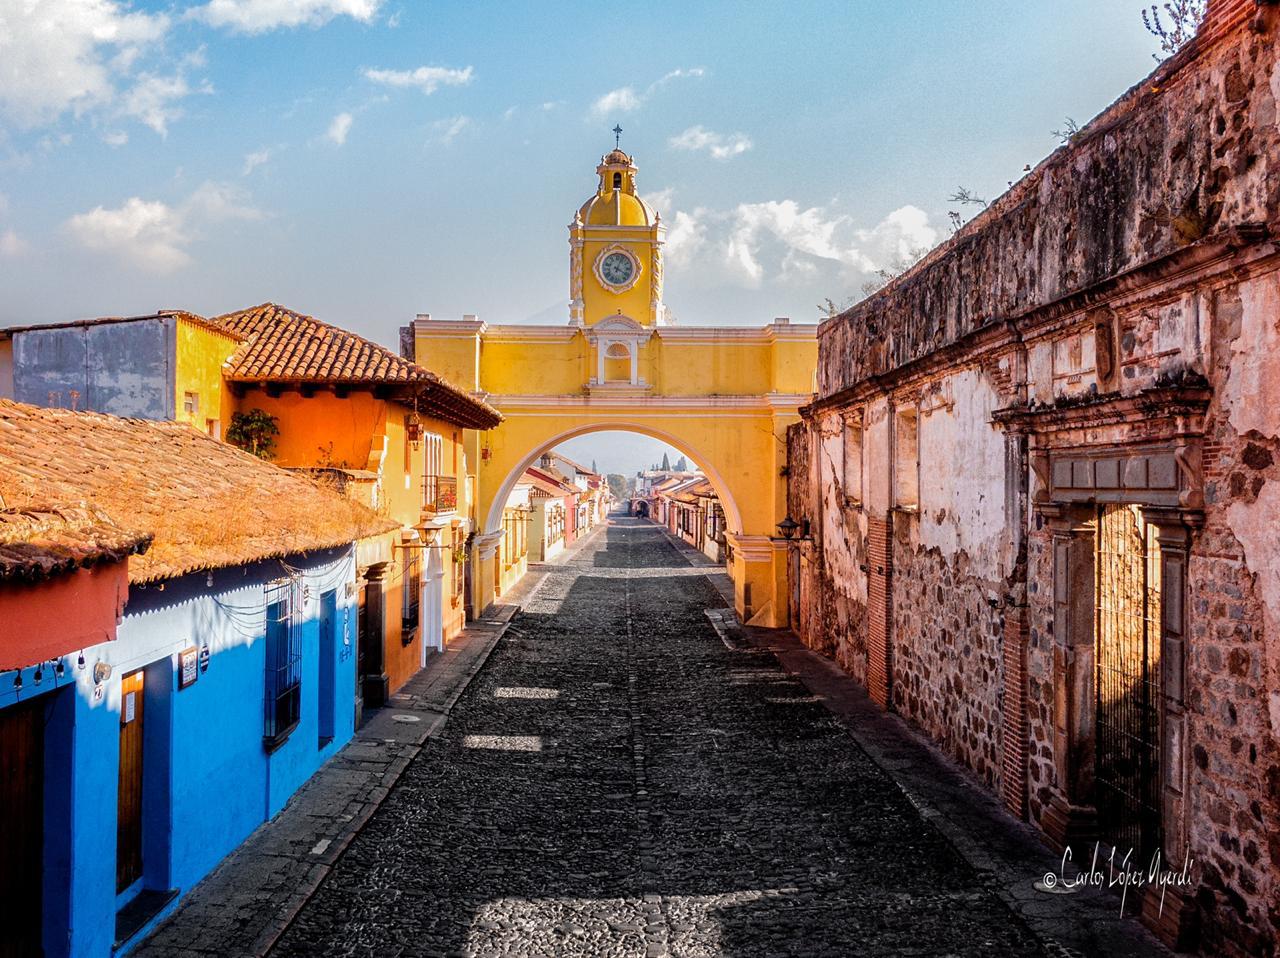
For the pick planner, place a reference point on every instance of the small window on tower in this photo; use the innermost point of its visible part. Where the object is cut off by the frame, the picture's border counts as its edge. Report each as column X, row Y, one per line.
column 617, row 181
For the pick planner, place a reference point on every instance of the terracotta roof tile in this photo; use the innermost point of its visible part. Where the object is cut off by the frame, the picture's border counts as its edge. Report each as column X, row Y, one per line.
column 205, row 504
column 40, row 541
column 281, row 345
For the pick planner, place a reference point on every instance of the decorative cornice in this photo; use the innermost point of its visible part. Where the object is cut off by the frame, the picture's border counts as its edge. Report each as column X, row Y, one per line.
column 755, row 548
column 771, row 403
column 1181, row 405
column 449, row 328
column 531, row 334
column 739, row 335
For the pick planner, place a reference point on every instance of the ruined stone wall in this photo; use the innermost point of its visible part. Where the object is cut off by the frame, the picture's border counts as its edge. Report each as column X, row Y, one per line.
column 947, row 671
column 1234, row 660
column 1191, row 152
column 1139, row 259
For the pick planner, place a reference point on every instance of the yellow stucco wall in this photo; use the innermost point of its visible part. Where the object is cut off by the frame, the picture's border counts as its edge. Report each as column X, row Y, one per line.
column 200, row 353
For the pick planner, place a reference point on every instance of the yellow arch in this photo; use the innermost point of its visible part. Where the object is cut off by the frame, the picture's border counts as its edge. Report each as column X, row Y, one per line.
column 733, row 515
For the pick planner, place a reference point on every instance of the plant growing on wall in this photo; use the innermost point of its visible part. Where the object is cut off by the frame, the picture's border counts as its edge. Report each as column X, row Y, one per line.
column 254, row 431
column 1185, row 17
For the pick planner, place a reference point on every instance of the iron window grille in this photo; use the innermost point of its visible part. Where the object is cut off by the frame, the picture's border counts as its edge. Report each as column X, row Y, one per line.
column 1128, row 681
column 283, row 699
column 411, row 594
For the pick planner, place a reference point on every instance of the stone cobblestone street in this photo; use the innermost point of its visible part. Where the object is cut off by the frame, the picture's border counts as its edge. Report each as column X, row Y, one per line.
column 617, row 781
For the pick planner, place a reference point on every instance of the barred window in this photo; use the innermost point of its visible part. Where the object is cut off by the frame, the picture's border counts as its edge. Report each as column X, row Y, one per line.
column 283, row 700
column 412, row 592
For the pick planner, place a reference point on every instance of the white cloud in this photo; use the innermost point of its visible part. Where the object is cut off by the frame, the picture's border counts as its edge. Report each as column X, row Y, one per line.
column 627, row 100
column 447, row 130
column 661, row 200
column 11, row 244
column 153, row 100
column 147, row 234
column 152, row 235
column 339, row 127
column 256, row 159
column 692, row 72
column 261, row 16
column 778, row 240
column 426, row 79
column 622, row 100
column 218, row 203
column 68, row 55
column 115, row 138
column 721, row 146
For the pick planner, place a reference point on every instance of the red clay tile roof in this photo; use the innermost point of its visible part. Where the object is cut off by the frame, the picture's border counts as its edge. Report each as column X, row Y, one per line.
column 547, row 484
column 288, row 347
column 42, row 541
column 206, row 504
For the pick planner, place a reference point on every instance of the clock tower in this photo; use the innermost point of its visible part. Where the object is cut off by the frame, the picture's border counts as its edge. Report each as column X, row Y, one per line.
column 615, row 251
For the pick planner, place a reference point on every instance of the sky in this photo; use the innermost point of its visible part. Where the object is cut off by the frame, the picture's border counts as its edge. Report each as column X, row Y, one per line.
column 614, row 450
column 367, row 160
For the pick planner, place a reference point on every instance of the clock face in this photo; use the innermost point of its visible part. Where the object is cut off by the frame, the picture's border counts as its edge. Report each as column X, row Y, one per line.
column 616, row 269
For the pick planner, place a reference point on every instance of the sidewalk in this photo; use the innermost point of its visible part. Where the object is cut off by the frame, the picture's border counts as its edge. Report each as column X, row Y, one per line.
column 247, row 902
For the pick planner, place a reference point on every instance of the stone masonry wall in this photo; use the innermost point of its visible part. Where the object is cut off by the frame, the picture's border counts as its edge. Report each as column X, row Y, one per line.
column 947, row 670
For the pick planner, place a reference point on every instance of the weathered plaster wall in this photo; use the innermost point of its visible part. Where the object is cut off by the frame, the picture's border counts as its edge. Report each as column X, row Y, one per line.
column 124, row 368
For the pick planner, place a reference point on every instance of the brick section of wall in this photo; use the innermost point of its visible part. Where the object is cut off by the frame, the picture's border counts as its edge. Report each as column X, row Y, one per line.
column 1013, row 769
column 1223, row 17
column 879, row 610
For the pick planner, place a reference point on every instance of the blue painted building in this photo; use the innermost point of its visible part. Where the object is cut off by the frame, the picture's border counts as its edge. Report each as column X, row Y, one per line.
column 231, row 678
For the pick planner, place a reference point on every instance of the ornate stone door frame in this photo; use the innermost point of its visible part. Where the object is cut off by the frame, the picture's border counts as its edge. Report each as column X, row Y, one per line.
column 1143, row 450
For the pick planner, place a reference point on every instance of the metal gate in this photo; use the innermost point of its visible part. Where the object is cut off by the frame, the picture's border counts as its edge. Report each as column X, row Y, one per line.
column 1127, row 629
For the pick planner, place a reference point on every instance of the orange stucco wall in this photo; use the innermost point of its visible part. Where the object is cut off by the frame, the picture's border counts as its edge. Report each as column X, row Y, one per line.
column 54, row 618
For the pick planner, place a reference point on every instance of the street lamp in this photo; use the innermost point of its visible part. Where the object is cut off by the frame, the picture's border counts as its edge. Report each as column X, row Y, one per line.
column 787, row 527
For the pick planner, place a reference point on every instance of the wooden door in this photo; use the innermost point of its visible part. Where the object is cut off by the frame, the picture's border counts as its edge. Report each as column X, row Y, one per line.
column 129, row 809
column 22, row 811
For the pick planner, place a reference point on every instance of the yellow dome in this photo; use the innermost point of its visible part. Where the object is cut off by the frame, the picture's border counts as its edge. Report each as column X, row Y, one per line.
column 616, row 208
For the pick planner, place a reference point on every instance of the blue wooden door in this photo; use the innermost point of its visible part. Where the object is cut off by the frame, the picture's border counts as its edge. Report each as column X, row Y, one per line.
column 328, row 663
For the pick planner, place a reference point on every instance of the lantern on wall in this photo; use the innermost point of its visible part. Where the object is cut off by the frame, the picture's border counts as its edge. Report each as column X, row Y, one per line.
column 413, row 427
